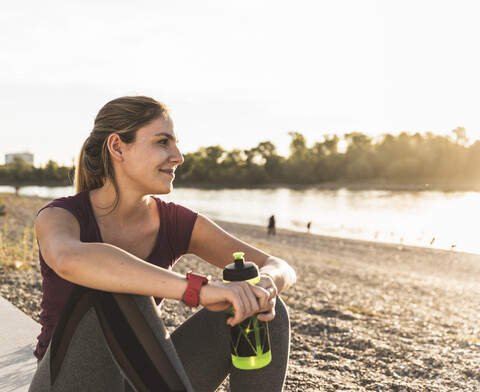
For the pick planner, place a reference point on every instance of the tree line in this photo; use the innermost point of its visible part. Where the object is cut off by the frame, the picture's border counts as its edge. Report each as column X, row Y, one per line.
column 19, row 172
column 406, row 158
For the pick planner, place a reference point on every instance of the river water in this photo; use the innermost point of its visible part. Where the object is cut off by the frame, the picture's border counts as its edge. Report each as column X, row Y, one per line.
column 443, row 220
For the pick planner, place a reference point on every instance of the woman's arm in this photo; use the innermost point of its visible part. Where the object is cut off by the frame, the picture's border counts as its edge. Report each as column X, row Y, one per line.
column 99, row 265
column 216, row 246
column 213, row 244
column 106, row 267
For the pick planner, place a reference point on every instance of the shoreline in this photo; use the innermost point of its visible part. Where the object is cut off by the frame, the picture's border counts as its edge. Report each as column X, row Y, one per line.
column 374, row 184
column 381, row 185
column 327, row 238
column 453, row 248
column 260, row 227
column 365, row 316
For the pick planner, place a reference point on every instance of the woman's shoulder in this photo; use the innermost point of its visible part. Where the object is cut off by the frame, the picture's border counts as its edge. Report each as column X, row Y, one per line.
column 78, row 205
column 69, row 202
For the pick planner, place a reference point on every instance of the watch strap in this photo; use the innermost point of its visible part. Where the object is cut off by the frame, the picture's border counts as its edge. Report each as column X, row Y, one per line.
column 195, row 283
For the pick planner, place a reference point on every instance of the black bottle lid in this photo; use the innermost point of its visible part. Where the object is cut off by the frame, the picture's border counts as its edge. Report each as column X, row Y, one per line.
column 240, row 270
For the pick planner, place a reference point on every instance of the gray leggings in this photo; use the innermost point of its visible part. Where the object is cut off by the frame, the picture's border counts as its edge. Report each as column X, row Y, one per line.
column 196, row 357
column 203, row 347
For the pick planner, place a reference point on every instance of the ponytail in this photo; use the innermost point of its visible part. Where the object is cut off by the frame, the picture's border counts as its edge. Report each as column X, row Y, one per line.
column 81, row 176
column 93, row 167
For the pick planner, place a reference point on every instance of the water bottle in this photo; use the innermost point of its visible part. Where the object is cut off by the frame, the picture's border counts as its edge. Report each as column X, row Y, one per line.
column 249, row 340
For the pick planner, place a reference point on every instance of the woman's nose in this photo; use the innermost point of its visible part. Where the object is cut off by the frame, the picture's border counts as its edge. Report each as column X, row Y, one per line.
column 177, row 156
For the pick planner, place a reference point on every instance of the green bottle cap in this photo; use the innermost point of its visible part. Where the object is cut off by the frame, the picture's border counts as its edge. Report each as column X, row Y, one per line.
column 238, row 255
column 240, row 270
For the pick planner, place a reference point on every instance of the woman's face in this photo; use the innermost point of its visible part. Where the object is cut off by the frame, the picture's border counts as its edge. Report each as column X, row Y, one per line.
column 149, row 163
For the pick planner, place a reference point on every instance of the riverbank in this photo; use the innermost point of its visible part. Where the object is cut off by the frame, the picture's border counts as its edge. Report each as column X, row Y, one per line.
column 365, row 316
column 452, row 185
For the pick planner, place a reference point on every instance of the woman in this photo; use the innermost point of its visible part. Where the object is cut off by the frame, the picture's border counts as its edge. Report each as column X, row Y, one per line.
column 113, row 236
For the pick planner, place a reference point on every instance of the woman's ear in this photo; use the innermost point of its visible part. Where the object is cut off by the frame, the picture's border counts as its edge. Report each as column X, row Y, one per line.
column 115, row 147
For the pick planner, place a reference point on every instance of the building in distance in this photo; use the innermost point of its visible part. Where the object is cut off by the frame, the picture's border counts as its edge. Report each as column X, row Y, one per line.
column 26, row 156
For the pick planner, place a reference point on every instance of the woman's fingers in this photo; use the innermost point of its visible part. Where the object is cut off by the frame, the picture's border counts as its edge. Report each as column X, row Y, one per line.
column 248, row 301
column 262, row 297
column 244, row 298
column 270, row 314
column 254, row 297
column 238, row 311
column 245, row 302
column 268, row 284
column 222, row 296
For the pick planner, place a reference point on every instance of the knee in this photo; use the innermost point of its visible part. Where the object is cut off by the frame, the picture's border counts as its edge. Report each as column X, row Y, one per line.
column 282, row 318
column 280, row 334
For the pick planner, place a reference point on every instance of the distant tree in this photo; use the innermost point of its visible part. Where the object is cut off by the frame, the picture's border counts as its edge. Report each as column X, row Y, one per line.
column 460, row 136
column 20, row 170
column 266, row 150
column 298, row 146
column 326, row 159
column 298, row 168
column 273, row 163
column 51, row 171
column 359, row 156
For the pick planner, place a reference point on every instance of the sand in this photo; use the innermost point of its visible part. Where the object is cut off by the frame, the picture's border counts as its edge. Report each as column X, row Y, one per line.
column 365, row 316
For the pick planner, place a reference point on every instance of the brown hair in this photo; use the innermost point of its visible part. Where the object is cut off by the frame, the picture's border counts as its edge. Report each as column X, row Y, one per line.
column 123, row 116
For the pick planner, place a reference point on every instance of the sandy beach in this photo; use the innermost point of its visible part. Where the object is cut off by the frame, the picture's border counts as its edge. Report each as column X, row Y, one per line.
column 365, row 316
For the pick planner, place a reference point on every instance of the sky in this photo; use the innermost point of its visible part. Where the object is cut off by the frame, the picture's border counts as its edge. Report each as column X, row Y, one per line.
column 235, row 73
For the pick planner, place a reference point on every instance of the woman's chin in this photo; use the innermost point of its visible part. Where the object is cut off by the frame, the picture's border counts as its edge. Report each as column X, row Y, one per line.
column 163, row 190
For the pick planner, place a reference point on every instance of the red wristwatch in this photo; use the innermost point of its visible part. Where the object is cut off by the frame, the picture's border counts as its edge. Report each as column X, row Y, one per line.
column 195, row 283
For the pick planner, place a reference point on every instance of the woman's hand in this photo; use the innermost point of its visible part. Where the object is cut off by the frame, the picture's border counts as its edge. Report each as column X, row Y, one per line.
column 268, row 312
column 214, row 245
column 244, row 298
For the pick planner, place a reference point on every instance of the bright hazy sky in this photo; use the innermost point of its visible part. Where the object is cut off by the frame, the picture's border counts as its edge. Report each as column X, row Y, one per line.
column 236, row 73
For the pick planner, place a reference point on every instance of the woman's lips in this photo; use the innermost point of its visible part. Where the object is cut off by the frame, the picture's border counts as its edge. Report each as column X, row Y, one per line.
column 169, row 172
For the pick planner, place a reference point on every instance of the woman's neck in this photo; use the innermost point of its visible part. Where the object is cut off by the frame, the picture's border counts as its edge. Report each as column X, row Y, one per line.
column 124, row 206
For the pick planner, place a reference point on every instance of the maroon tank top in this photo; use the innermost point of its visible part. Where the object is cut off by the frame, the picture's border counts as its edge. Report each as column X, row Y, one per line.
column 176, row 226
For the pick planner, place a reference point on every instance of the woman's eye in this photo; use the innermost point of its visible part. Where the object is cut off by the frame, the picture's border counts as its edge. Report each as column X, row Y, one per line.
column 163, row 141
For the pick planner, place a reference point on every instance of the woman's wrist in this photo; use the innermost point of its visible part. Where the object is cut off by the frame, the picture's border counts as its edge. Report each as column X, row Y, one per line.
column 277, row 279
column 282, row 275
column 191, row 296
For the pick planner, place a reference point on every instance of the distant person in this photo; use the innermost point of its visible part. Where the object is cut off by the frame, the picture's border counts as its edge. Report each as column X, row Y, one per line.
column 113, row 237
column 309, row 224
column 271, row 225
